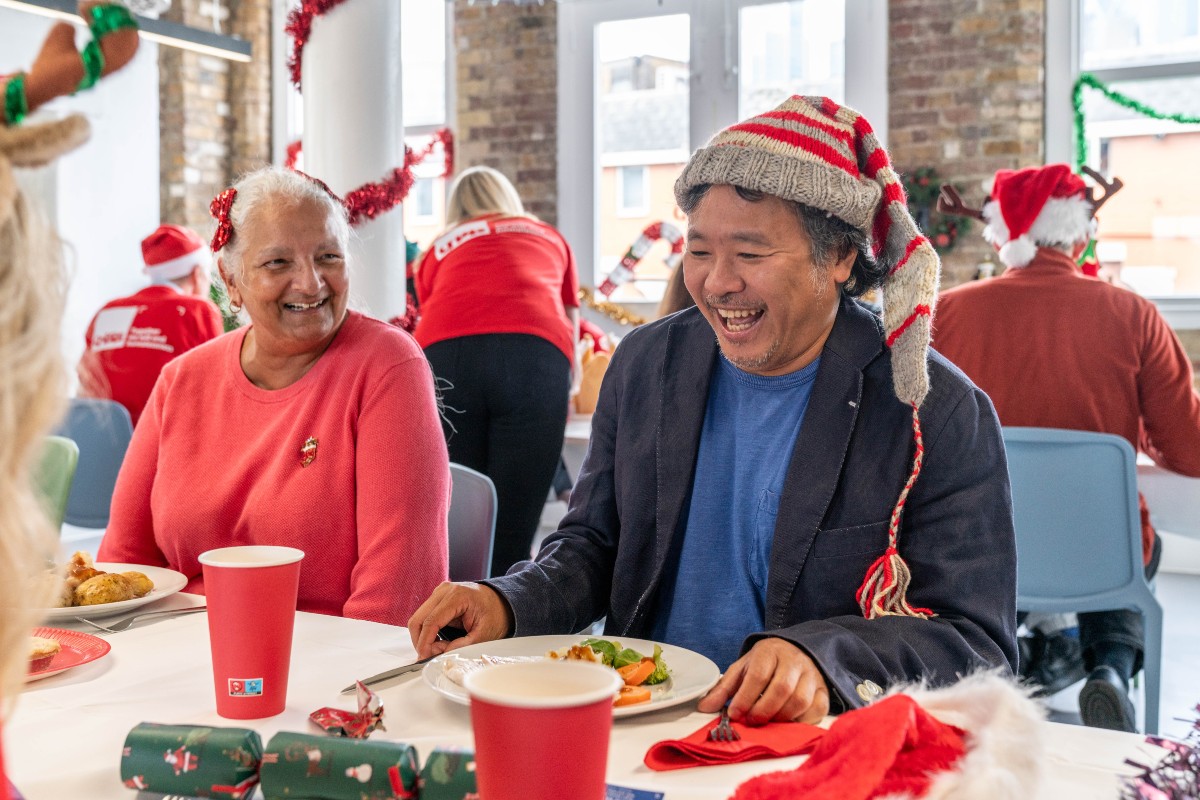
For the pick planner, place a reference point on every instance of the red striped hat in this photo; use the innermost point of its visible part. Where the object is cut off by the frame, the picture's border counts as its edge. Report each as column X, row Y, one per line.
column 813, row 151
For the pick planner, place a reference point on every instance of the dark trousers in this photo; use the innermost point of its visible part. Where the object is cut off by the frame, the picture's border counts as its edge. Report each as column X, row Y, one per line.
column 1117, row 627
column 505, row 398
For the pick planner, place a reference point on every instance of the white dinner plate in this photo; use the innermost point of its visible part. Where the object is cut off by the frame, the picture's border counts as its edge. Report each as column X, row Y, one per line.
column 166, row 583
column 691, row 674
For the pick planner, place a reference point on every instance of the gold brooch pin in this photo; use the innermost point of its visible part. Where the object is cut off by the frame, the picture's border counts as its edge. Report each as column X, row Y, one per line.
column 308, row 453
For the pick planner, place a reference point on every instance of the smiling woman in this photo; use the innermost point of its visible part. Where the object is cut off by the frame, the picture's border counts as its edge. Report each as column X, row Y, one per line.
column 313, row 427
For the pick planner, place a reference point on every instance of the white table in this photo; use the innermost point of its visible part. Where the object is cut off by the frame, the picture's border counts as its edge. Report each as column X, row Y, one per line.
column 1173, row 499
column 66, row 736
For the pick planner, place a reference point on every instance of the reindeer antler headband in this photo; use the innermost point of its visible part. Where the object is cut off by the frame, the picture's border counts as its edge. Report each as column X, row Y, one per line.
column 1037, row 204
column 58, row 70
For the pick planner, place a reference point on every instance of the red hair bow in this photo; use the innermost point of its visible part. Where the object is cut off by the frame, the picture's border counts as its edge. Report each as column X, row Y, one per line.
column 220, row 208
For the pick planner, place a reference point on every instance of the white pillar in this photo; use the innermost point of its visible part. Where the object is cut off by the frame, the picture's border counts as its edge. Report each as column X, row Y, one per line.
column 354, row 134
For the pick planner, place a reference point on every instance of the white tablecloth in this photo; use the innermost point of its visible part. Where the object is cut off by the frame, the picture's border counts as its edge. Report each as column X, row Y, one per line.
column 66, row 736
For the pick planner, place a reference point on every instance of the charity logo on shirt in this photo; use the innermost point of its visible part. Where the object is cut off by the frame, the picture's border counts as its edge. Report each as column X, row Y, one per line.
column 455, row 237
column 114, row 329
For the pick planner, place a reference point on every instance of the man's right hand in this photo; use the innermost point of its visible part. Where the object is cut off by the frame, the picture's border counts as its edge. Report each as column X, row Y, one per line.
column 477, row 609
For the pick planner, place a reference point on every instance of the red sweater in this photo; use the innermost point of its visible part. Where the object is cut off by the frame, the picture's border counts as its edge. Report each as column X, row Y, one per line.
column 131, row 339
column 498, row 275
column 217, row 461
column 1056, row 349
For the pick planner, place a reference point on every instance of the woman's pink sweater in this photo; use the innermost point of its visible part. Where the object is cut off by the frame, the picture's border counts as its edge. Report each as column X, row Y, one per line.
column 216, row 461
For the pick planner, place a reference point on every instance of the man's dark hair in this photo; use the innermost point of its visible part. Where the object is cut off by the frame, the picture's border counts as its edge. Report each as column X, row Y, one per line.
column 832, row 238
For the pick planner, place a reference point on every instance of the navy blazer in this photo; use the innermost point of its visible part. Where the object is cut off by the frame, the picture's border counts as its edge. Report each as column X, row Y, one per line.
column 851, row 459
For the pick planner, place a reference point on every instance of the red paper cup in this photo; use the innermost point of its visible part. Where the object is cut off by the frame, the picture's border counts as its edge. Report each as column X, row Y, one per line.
column 542, row 729
column 251, row 612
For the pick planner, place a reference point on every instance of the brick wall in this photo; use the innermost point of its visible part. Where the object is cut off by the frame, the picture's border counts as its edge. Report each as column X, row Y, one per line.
column 215, row 114
column 965, row 80
column 507, row 102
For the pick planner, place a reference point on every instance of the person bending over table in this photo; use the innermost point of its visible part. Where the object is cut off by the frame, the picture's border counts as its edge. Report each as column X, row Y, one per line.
column 313, row 427
column 812, row 498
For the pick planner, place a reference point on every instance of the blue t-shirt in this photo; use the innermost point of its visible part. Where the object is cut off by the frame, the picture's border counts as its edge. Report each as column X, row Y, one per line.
column 717, row 596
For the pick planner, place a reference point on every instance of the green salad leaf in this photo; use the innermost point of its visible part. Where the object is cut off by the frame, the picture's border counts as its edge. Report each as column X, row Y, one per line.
column 616, row 656
column 606, row 649
column 660, row 668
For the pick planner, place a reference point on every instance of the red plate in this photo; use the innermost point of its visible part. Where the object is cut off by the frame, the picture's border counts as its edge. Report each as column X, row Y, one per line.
column 77, row 648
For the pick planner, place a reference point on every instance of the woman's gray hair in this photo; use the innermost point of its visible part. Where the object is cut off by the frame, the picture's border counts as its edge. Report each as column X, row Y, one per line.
column 271, row 185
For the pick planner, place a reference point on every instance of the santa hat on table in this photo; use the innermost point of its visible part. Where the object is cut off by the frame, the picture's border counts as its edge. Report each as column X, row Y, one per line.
column 1036, row 205
column 813, row 151
column 172, row 252
column 980, row 737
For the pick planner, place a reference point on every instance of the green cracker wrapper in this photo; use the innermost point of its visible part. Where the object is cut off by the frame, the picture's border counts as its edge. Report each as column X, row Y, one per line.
column 191, row 760
column 327, row 768
column 449, row 774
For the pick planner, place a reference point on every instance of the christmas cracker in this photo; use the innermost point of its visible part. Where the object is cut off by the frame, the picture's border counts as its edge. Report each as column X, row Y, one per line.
column 328, row 768
column 192, row 761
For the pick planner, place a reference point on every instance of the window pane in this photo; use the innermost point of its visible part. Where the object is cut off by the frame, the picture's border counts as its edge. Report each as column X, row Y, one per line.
column 1119, row 33
column 798, row 47
column 423, row 76
column 642, row 76
column 632, row 191
column 1150, row 230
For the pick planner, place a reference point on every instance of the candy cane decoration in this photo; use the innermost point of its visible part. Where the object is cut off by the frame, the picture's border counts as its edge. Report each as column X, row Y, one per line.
column 623, row 272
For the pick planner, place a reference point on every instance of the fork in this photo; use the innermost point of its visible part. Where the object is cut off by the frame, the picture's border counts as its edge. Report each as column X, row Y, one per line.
column 124, row 624
column 724, row 731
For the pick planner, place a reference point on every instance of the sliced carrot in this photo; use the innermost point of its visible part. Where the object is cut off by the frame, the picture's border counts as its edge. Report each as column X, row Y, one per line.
column 632, row 695
column 636, row 674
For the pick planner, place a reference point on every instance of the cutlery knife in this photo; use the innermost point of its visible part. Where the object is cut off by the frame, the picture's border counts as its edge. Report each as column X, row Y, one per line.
column 391, row 673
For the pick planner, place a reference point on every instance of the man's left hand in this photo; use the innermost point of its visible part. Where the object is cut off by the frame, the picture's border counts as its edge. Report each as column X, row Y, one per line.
column 774, row 681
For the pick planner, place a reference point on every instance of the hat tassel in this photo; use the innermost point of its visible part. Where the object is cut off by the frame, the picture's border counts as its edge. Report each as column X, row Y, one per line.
column 884, row 590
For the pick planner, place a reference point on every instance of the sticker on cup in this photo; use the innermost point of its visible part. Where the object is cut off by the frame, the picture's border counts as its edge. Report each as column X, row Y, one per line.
column 245, row 687
column 613, row 792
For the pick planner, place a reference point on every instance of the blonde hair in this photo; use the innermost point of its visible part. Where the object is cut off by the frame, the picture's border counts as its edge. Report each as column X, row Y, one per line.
column 481, row 190
column 33, row 283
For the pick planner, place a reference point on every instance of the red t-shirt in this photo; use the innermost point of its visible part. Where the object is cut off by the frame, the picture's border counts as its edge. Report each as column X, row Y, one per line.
column 131, row 339
column 498, row 275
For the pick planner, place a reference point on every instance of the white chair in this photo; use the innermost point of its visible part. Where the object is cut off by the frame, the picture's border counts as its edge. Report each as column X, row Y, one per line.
column 472, row 524
column 1079, row 532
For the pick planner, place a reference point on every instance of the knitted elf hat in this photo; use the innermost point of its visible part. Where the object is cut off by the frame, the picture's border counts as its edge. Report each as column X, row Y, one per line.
column 813, row 151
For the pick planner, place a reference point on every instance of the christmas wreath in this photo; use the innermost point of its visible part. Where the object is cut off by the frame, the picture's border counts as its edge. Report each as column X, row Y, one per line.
column 922, row 188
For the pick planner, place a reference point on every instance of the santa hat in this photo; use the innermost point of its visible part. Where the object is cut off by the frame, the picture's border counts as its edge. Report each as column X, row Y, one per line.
column 815, row 152
column 172, row 252
column 980, row 737
column 1036, row 206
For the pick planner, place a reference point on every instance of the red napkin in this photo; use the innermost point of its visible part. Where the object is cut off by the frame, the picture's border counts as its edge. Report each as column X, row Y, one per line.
column 773, row 740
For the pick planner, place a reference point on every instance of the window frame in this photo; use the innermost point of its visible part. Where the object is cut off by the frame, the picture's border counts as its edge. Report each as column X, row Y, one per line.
column 713, row 100
column 1064, row 24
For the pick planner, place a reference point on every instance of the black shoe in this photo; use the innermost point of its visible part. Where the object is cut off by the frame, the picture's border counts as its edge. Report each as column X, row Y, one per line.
column 1060, row 664
column 1104, row 701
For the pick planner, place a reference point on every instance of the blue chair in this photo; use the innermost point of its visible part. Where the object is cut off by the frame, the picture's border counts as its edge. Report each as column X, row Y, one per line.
column 54, row 474
column 102, row 429
column 472, row 524
column 1079, row 532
